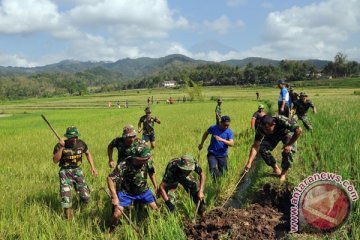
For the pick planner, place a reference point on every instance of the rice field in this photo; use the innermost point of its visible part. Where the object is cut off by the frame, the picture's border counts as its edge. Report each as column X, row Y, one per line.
column 30, row 202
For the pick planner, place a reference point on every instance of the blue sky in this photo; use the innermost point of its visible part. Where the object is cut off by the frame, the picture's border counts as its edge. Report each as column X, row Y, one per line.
column 40, row 32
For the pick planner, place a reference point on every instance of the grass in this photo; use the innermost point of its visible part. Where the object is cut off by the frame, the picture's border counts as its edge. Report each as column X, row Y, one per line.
column 30, row 203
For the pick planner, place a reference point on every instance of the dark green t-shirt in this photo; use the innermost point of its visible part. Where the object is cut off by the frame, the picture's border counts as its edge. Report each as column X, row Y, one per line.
column 302, row 108
column 125, row 151
column 148, row 124
column 71, row 155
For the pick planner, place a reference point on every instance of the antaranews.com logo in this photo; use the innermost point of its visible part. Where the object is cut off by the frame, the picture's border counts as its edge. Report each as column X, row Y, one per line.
column 322, row 202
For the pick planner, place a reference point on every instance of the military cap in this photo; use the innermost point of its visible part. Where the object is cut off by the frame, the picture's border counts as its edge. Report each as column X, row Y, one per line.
column 143, row 151
column 261, row 106
column 219, row 100
column 72, row 132
column 129, row 131
column 186, row 163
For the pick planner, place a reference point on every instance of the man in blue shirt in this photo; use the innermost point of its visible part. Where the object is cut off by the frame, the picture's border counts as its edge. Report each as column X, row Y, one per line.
column 221, row 139
column 284, row 99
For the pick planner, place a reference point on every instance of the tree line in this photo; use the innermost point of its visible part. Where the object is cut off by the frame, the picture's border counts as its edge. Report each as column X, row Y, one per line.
column 215, row 74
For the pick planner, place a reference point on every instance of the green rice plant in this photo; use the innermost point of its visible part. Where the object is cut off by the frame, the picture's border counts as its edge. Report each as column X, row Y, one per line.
column 30, row 203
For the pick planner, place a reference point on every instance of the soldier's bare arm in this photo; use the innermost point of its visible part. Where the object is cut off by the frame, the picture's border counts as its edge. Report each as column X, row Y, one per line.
column 139, row 126
column 163, row 192
column 253, row 151
column 153, row 181
column 202, row 185
column 287, row 148
column 110, row 154
column 57, row 156
column 253, row 120
column 314, row 110
column 112, row 189
column 91, row 162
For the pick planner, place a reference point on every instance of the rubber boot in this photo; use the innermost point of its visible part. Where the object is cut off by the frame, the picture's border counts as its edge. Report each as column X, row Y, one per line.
column 69, row 213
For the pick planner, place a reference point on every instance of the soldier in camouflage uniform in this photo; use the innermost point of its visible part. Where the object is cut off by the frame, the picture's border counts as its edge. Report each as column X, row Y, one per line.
column 218, row 111
column 271, row 131
column 126, row 145
column 128, row 182
column 68, row 154
column 178, row 171
column 301, row 106
column 294, row 96
column 148, row 122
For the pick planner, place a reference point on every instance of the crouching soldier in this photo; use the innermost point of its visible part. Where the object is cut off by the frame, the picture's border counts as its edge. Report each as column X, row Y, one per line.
column 68, row 154
column 271, row 131
column 128, row 183
column 178, row 171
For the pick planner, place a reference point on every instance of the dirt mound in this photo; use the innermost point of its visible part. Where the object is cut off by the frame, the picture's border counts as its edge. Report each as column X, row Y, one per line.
column 266, row 218
column 278, row 196
column 253, row 222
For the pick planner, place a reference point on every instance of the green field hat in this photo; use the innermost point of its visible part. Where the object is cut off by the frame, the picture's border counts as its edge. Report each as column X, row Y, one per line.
column 261, row 106
column 143, row 151
column 72, row 132
column 186, row 163
column 147, row 110
column 129, row 131
column 219, row 100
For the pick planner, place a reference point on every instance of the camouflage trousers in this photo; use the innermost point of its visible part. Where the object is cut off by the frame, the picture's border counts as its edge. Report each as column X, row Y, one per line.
column 70, row 177
column 268, row 145
column 305, row 120
column 190, row 186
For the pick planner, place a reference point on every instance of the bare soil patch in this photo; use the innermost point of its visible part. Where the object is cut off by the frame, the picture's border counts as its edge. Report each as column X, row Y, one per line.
column 266, row 218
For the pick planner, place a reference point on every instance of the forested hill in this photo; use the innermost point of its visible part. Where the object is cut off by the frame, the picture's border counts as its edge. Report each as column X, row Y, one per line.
column 76, row 78
column 140, row 67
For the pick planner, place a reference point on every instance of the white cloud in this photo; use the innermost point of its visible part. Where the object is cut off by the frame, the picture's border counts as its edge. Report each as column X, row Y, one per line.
column 15, row 60
column 315, row 30
column 24, row 16
column 220, row 25
column 151, row 14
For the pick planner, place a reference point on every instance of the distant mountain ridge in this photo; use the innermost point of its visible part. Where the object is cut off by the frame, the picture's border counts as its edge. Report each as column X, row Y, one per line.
column 135, row 68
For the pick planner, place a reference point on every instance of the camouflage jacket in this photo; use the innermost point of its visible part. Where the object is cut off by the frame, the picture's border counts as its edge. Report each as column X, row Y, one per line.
column 218, row 110
column 148, row 124
column 132, row 179
column 173, row 174
column 125, row 151
column 302, row 108
column 282, row 128
column 294, row 96
column 71, row 155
